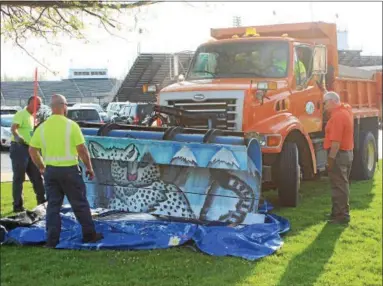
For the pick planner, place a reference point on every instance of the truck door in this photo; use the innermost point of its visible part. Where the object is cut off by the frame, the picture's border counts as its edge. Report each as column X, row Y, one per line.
column 307, row 100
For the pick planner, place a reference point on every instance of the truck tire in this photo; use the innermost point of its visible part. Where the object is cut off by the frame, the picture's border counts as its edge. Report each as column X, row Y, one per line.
column 289, row 175
column 364, row 163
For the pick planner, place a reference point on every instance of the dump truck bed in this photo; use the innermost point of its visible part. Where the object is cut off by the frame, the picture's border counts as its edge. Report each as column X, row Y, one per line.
column 363, row 94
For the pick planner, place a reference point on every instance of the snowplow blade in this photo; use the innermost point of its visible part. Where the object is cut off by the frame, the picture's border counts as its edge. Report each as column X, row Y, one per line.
column 187, row 174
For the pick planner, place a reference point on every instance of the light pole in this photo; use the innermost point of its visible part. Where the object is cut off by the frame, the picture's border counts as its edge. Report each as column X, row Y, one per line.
column 237, row 21
column 139, row 41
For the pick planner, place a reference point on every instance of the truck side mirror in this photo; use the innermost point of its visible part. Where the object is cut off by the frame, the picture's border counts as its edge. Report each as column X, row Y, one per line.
column 320, row 60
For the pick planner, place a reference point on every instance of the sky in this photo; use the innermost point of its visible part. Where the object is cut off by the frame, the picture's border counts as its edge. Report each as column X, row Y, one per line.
column 178, row 26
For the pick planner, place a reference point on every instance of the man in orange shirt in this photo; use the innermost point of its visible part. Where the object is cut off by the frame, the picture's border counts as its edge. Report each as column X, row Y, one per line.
column 339, row 142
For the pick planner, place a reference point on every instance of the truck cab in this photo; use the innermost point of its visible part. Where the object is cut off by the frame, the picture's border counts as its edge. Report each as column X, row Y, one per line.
column 273, row 67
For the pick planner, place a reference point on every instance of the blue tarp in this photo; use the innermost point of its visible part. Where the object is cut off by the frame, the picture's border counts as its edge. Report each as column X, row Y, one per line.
column 144, row 231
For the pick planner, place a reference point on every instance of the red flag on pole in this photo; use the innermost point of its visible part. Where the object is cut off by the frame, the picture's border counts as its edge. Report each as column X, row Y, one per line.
column 35, row 98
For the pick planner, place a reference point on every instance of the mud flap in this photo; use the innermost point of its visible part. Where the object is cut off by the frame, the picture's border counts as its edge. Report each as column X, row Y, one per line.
column 205, row 176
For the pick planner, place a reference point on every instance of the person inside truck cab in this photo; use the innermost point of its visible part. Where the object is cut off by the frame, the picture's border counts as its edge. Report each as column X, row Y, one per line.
column 299, row 67
column 246, row 62
column 280, row 64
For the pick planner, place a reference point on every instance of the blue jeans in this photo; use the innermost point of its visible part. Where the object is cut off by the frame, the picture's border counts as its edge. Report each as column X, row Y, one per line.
column 61, row 181
column 21, row 164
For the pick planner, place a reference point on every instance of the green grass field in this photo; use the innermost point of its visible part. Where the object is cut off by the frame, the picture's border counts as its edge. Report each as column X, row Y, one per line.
column 314, row 252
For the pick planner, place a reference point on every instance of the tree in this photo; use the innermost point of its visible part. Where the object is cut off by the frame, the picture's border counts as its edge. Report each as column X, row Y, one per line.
column 21, row 20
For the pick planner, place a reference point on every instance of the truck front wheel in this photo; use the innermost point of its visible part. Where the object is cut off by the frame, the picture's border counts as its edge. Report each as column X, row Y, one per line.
column 289, row 175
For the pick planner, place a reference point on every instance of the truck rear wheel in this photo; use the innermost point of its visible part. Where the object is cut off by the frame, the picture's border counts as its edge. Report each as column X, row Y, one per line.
column 364, row 164
column 289, row 175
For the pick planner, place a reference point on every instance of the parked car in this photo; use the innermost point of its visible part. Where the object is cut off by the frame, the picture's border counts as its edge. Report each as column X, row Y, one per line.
column 9, row 109
column 139, row 112
column 96, row 106
column 43, row 113
column 134, row 113
column 122, row 115
column 84, row 114
column 114, row 108
column 6, row 123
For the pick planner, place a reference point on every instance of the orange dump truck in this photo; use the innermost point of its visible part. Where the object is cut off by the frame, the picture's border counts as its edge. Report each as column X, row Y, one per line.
column 269, row 82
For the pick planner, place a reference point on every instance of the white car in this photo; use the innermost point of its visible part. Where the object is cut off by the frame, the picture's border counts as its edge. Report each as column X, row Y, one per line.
column 103, row 114
column 6, row 123
column 87, row 114
column 44, row 112
column 9, row 109
column 114, row 108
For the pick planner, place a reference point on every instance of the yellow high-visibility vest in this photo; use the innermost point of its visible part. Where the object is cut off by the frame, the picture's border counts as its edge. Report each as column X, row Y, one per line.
column 300, row 70
column 57, row 138
column 25, row 121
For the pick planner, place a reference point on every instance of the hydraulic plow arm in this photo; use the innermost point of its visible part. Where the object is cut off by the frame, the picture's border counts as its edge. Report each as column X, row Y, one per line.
column 181, row 117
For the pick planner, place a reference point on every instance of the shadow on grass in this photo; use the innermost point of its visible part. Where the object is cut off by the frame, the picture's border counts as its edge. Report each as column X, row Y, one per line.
column 303, row 269
column 315, row 203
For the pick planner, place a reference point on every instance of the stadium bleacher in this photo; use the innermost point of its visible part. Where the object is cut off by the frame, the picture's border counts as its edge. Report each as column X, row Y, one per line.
column 65, row 87
column 90, row 86
column 151, row 68
column 353, row 58
column 76, row 90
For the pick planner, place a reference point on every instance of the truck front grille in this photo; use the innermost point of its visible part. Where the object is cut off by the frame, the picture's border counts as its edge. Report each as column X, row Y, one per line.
column 225, row 109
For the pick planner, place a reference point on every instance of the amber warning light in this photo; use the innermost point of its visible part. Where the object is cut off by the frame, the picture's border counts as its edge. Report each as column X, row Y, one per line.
column 149, row 88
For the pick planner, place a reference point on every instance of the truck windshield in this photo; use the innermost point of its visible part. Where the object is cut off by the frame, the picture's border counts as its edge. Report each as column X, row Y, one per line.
column 265, row 59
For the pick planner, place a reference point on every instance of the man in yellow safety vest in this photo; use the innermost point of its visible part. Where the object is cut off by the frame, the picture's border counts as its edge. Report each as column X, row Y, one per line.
column 22, row 129
column 61, row 143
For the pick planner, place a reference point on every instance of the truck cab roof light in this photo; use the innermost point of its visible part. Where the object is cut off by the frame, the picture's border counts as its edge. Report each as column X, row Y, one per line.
column 251, row 32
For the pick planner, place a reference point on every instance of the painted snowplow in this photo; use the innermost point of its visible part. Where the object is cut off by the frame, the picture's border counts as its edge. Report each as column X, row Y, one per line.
column 181, row 173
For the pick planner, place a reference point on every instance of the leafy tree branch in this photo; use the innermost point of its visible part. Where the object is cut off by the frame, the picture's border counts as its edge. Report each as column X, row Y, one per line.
column 22, row 20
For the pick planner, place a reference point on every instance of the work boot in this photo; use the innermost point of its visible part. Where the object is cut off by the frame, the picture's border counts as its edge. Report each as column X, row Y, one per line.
column 92, row 238
column 329, row 216
column 51, row 243
column 343, row 220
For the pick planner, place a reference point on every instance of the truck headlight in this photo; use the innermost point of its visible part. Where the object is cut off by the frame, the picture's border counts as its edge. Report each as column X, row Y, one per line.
column 266, row 140
column 271, row 85
column 261, row 138
column 262, row 85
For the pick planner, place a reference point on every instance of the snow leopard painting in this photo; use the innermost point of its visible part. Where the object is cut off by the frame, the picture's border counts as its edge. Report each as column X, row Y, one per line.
column 136, row 177
column 138, row 184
